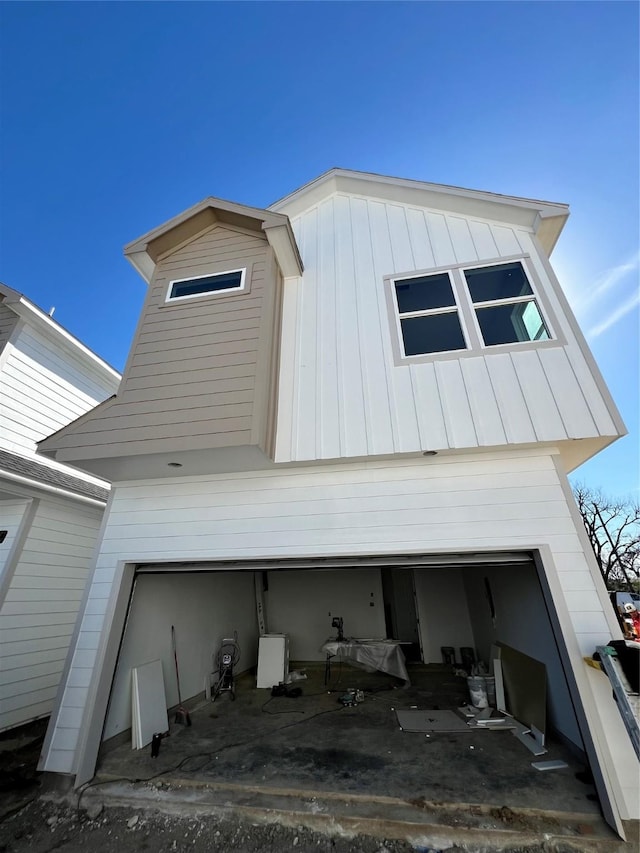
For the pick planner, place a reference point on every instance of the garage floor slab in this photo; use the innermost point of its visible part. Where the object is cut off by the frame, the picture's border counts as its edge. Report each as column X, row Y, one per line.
column 313, row 748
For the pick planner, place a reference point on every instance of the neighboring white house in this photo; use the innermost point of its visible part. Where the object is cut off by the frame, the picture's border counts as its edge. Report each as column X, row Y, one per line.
column 375, row 377
column 50, row 514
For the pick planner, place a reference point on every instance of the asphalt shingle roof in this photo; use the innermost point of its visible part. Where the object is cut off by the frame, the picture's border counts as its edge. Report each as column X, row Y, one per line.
column 42, row 473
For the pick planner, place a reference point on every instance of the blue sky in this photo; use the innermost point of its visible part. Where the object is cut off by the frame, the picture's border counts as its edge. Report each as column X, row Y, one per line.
column 117, row 116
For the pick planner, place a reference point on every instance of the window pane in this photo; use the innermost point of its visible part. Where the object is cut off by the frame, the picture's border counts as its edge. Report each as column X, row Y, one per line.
column 510, row 324
column 435, row 333
column 501, row 282
column 533, row 322
column 427, row 291
column 208, row 284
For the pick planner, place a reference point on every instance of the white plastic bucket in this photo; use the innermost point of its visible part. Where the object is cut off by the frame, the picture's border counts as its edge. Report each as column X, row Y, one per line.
column 477, row 691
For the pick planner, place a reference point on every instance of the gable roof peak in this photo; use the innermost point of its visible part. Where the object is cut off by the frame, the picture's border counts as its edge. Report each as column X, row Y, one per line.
column 546, row 218
column 144, row 252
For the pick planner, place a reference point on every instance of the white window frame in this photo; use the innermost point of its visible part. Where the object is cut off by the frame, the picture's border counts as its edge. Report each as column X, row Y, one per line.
column 466, row 309
column 510, row 300
column 209, row 293
column 428, row 312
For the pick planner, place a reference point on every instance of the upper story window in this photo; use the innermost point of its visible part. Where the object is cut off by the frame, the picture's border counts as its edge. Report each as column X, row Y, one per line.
column 467, row 308
column 203, row 285
column 429, row 317
column 505, row 305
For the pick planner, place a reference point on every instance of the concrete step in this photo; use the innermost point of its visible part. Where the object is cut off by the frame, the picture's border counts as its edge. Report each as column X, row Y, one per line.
column 424, row 824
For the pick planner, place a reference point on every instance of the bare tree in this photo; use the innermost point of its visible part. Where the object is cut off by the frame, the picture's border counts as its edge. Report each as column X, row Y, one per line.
column 613, row 527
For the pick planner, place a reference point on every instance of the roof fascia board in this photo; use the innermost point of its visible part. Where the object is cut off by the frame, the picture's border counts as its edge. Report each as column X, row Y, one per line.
column 283, row 243
column 548, row 230
column 142, row 264
column 492, row 206
column 30, row 313
column 58, row 491
column 143, row 257
column 209, row 202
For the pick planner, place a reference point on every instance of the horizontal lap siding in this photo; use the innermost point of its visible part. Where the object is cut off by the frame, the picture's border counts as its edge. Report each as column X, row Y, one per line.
column 8, row 322
column 486, row 502
column 348, row 398
column 44, row 387
column 40, row 608
column 11, row 514
column 193, row 365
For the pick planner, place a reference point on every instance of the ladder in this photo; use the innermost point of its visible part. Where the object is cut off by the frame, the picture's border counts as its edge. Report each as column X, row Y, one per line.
column 611, row 665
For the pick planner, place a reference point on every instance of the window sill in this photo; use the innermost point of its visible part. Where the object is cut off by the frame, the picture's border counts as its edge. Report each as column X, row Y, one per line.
column 498, row 349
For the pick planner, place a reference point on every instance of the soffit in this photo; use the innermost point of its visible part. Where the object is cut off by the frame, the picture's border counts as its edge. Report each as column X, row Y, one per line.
column 144, row 252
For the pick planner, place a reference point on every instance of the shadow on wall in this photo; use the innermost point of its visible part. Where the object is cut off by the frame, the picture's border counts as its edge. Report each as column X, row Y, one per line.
column 521, row 621
column 204, row 607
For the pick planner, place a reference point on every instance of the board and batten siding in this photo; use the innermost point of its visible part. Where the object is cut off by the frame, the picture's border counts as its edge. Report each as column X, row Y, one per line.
column 196, row 369
column 39, row 610
column 514, row 500
column 44, row 386
column 342, row 395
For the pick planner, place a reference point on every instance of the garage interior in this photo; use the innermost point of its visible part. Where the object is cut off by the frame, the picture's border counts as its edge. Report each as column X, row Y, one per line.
column 313, row 743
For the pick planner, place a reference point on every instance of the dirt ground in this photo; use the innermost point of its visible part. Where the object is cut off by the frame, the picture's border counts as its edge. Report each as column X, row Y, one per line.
column 44, row 826
column 32, row 821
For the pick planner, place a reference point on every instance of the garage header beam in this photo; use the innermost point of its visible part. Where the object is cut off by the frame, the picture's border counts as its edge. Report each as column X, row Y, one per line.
column 388, row 560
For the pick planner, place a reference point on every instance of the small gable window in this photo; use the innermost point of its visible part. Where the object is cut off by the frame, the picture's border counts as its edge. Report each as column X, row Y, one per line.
column 204, row 285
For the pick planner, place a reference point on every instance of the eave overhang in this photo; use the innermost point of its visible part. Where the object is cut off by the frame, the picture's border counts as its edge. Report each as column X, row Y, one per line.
column 545, row 218
column 33, row 474
column 145, row 252
column 34, row 316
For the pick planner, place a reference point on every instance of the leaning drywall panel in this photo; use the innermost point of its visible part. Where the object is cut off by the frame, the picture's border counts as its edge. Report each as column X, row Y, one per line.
column 40, row 608
column 298, row 603
column 204, row 608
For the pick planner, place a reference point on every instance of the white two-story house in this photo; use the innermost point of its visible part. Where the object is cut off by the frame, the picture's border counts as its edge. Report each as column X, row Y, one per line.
column 50, row 514
column 369, row 397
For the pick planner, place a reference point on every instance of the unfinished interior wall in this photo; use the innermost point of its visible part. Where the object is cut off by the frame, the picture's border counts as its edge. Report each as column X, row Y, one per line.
column 298, row 603
column 204, row 607
column 521, row 621
column 443, row 612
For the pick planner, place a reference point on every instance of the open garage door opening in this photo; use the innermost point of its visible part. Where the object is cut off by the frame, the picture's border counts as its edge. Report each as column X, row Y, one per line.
column 310, row 738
